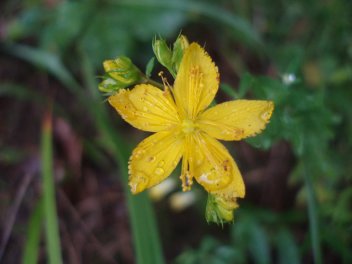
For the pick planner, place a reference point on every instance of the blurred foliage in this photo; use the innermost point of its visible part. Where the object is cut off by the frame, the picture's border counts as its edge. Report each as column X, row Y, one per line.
column 303, row 52
column 256, row 233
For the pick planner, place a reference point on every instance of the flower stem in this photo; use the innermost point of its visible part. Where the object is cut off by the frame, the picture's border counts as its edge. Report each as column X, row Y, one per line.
column 313, row 218
column 147, row 80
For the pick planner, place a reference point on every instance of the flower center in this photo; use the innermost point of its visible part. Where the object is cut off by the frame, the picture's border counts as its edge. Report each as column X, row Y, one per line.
column 188, row 126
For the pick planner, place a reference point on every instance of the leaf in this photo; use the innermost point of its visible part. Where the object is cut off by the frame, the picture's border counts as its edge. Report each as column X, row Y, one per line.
column 287, row 248
column 150, row 66
column 31, row 249
column 50, row 215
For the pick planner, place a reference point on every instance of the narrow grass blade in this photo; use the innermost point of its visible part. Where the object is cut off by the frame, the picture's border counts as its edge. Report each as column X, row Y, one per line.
column 51, row 221
column 313, row 218
column 30, row 255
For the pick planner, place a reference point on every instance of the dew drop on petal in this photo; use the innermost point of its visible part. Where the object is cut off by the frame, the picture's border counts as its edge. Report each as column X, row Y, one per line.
column 161, row 163
column 265, row 115
column 138, row 182
column 138, row 154
column 159, row 171
column 217, row 177
column 151, row 158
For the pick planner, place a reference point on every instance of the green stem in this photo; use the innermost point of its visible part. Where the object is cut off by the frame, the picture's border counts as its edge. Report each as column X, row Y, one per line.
column 51, row 221
column 313, row 217
column 147, row 80
column 30, row 255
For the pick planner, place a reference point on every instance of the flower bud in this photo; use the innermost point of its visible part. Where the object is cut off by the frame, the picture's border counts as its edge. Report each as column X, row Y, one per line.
column 219, row 209
column 108, row 85
column 180, row 45
column 123, row 71
column 162, row 52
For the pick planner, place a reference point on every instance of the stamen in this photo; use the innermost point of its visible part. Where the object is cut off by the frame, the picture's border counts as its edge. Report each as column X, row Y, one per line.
column 187, row 168
column 164, row 80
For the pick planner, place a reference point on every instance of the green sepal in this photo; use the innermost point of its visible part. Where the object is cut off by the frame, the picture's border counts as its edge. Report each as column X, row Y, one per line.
column 218, row 210
column 163, row 53
column 180, row 45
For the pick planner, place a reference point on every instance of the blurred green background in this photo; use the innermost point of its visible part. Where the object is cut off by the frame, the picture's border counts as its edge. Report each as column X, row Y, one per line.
column 64, row 151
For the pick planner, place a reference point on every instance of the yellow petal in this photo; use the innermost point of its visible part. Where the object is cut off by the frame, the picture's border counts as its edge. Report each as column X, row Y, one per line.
column 237, row 119
column 215, row 169
column 154, row 159
column 196, row 83
column 146, row 107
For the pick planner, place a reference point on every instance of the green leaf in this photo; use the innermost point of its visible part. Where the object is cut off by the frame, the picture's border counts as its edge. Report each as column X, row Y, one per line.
column 287, row 248
column 150, row 66
column 31, row 248
column 50, row 215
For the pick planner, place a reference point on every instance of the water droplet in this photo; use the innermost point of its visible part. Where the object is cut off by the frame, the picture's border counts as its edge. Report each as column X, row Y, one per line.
column 138, row 182
column 265, row 115
column 159, row 171
column 216, row 178
column 138, row 154
column 161, row 163
column 226, row 132
column 151, row 159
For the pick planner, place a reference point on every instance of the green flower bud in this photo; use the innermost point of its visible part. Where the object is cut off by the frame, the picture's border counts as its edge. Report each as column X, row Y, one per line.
column 162, row 53
column 219, row 210
column 180, row 45
column 109, row 85
column 123, row 71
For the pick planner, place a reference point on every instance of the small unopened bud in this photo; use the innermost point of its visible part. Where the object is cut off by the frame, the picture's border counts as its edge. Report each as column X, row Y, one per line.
column 123, row 71
column 109, row 85
column 219, row 209
column 180, row 45
column 162, row 52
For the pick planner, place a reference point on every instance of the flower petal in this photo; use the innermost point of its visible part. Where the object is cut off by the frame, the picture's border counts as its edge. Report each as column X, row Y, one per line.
column 146, row 107
column 154, row 159
column 215, row 169
column 237, row 119
column 196, row 83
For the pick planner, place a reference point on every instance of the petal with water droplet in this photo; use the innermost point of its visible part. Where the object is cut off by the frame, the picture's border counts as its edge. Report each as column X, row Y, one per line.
column 196, row 83
column 146, row 107
column 218, row 172
column 237, row 119
column 154, row 159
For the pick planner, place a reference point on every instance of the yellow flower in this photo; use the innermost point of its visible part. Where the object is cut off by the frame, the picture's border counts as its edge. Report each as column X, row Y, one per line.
column 186, row 129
